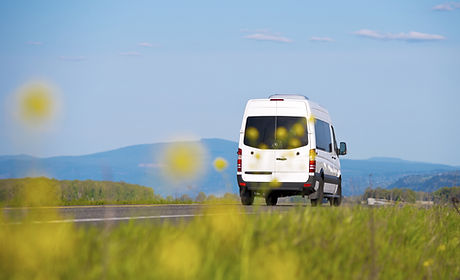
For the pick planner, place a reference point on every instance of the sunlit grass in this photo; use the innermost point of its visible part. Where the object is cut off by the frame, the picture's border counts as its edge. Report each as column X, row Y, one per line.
column 304, row 243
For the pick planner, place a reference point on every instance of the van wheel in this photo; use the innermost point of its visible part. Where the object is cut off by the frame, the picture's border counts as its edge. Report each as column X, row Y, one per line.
column 320, row 194
column 271, row 199
column 336, row 201
column 247, row 196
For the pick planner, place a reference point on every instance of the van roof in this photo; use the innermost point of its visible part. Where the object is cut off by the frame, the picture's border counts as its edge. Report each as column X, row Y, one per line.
column 317, row 110
column 288, row 96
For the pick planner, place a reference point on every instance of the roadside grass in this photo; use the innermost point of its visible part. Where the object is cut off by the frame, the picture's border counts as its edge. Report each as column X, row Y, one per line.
column 305, row 243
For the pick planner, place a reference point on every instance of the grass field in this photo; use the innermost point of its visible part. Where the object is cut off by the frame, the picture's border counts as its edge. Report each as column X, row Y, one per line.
column 305, row 243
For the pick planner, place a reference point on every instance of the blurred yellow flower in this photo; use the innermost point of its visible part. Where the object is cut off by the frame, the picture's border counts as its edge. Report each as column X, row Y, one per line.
column 263, row 146
column 40, row 192
column 275, row 183
column 428, row 263
column 281, row 133
column 298, row 129
column 37, row 103
column 183, row 161
column 220, row 164
column 252, row 133
column 294, row 143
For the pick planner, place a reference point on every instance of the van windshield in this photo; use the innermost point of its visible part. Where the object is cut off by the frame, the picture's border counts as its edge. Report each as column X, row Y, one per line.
column 276, row 132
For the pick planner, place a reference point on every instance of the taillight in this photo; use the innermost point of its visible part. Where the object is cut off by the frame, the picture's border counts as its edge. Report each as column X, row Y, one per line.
column 238, row 163
column 312, row 162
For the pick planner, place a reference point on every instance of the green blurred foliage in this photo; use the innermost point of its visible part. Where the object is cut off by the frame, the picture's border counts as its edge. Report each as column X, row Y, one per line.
column 51, row 192
column 305, row 243
column 47, row 192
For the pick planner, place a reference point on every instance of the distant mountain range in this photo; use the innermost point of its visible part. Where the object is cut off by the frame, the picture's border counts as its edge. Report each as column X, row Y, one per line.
column 389, row 173
column 428, row 182
column 141, row 164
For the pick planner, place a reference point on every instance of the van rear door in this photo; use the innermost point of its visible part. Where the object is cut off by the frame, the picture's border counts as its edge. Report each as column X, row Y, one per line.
column 259, row 130
column 291, row 152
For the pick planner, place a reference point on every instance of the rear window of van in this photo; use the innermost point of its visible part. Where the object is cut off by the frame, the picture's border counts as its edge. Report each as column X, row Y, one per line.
column 276, row 132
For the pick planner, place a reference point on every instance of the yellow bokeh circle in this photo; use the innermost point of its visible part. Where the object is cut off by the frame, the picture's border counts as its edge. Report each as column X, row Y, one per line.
column 281, row 133
column 36, row 103
column 183, row 161
column 252, row 133
column 220, row 164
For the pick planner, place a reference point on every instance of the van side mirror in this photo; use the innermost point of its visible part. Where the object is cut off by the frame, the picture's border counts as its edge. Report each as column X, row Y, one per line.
column 343, row 149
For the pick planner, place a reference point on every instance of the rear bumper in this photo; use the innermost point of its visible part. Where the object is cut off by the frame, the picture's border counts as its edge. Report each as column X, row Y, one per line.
column 291, row 187
column 306, row 188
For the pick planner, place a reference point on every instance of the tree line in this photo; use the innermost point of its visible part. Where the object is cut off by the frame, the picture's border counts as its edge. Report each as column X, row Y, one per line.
column 45, row 191
column 442, row 195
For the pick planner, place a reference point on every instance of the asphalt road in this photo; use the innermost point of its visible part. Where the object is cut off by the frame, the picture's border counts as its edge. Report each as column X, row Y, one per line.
column 120, row 213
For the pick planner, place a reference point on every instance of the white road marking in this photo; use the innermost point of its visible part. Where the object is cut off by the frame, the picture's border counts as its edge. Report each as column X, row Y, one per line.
column 86, row 220
column 116, row 219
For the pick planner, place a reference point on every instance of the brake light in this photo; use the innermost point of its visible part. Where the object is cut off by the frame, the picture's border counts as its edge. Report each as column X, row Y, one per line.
column 238, row 162
column 312, row 162
column 276, row 99
column 307, row 185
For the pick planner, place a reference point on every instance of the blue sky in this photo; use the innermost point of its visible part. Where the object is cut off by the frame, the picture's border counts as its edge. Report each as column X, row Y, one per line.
column 132, row 72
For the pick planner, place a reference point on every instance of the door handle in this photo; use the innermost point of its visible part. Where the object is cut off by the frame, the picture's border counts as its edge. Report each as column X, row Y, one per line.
column 281, row 158
column 334, row 158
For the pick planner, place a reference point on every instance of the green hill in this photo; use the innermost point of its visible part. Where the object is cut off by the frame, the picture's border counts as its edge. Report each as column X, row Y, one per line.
column 428, row 182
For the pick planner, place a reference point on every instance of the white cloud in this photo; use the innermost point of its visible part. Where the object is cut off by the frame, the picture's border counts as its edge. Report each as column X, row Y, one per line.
column 150, row 165
column 411, row 36
column 34, row 43
column 145, row 44
column 449, row 6
column 130, row 54
column 72, row 58
column 321, row 39
column 266, row 35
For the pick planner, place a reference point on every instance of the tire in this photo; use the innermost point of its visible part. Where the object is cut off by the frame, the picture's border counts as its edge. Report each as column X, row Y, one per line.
column 336, row 201
column 247, row 197
column 314, row 202
column 271, row 199
column 318, row 201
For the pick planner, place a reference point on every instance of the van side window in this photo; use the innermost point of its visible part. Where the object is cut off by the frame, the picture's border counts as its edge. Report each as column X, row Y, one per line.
column 336, row 149
column 323, row 136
